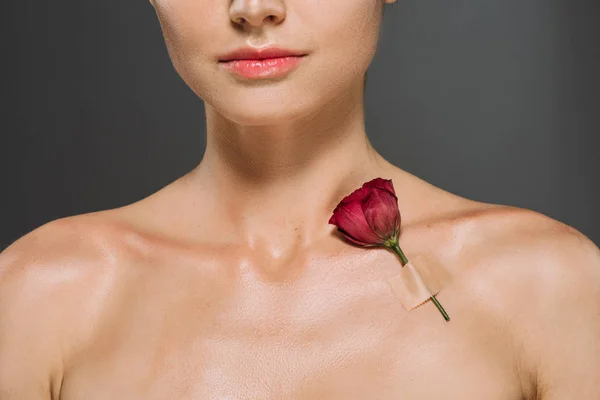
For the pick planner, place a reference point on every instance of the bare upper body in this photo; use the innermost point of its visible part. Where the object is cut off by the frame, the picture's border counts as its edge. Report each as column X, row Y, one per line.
column 230, row 284
column 135, row 303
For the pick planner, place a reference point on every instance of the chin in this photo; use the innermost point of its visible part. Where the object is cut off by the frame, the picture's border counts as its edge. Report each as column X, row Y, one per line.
column 261, row 116
column 263, row 110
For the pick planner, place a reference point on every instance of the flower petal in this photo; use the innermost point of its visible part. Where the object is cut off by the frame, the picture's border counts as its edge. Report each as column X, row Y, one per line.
column 358, row 195
column 350, row 219
column 354, row 240
column 380, row 183
column 381, row 212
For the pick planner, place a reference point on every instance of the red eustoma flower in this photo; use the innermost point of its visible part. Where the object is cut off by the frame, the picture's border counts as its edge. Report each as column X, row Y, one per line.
column 369, row 216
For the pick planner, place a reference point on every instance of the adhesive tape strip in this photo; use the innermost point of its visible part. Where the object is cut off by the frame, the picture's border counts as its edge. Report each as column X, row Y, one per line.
column 418, row 280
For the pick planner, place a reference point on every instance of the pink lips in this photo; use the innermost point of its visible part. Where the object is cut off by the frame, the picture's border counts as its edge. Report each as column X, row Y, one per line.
column 260, row 53
column 263, row 68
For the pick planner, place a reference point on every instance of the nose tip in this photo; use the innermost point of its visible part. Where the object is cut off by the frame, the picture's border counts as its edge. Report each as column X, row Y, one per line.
column 257, row 13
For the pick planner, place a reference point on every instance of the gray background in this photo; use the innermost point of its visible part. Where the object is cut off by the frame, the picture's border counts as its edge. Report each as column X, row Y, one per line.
column 503, row 94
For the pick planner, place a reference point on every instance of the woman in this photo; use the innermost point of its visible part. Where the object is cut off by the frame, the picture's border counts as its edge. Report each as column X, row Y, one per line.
column 230, row 284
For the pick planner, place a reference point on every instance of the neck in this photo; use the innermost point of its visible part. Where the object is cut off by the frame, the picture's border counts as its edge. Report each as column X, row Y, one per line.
column 275, row 186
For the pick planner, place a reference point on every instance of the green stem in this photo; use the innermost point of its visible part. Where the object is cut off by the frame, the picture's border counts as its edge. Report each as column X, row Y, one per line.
column 396, row 247
column 400, row 253
column 439, row 307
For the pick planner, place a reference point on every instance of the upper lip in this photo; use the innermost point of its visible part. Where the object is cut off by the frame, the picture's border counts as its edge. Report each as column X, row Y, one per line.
column 251, row 53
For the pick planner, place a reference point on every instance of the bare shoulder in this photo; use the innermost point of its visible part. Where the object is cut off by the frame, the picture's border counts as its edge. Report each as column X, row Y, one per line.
column 526, row 248
column 52, row 284
column 64, row 247
column 540, row 280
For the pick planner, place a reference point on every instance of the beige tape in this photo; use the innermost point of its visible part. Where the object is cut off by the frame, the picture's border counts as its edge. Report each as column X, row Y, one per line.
column 419, row 279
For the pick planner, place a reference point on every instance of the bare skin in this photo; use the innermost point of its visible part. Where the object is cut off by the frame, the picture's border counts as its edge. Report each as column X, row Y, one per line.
column 230, row 284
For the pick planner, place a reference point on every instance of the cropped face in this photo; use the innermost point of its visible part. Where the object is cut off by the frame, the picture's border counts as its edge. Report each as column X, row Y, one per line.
column 338, row 37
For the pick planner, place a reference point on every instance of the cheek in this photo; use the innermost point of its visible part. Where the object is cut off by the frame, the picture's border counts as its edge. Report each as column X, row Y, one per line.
column 351, row 36
column 186, row 26
column 190, row 29
column 346, row 32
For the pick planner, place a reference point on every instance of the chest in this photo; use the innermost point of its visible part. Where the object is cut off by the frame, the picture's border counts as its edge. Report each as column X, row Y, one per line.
column 349, row 340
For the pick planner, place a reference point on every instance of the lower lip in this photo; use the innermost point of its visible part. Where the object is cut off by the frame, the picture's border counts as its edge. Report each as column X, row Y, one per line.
column 267, row 68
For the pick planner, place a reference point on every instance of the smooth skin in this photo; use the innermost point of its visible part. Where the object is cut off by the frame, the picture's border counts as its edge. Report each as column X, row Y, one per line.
column 229, row 283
